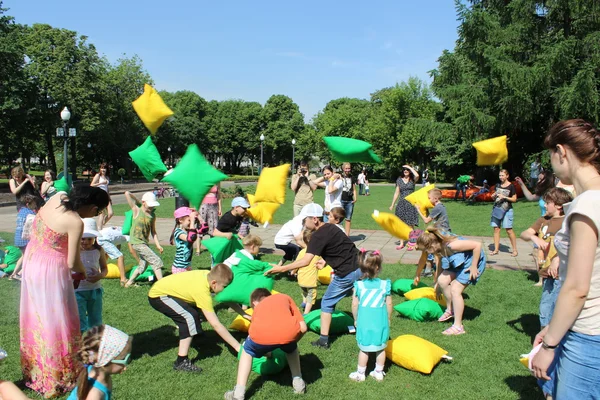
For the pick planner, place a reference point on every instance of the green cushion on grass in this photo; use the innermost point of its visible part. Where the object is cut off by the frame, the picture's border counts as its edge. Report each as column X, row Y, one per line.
column 268, row 366
column 221, row 248
column 11, row 256
column 148, row 160
column 248, row 275
column 340, row 322
column 420, row 309
column 144, row 276
column 126, row 229
column 401, row 286
column 351, row 150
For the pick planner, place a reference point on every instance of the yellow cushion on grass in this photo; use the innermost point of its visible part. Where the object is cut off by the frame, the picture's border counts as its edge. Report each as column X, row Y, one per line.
column 151, row 109
column 113, row 271
column 414, row 353
column 392, row 224
column 325, row 275
column 272, row 184
column 420, row 197
column 262, row 212
column 425, row 292
column 240, row 323
column 491, row 151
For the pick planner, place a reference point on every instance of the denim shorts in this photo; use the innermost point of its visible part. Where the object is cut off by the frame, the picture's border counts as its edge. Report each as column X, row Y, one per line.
column 338, row 289
column 110, row 249
column 549, row 295
column 258, row 350
column 463, row 275
column 506, row 222
column 349, row 208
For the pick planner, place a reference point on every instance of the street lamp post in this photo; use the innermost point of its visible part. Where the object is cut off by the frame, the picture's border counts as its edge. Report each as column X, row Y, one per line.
column 170, row 159
column 293, row 154
column 262, row 139
column 65, row 115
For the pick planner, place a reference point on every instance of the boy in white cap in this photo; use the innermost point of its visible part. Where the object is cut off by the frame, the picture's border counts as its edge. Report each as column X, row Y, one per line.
column 230, row 222
column 144, row 225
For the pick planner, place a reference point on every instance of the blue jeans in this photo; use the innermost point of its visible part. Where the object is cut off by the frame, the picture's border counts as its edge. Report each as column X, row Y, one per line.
column 361, row 189
column 461, row 188
column 348, row 208
column 338, row 289
column 89, row 304
column 549, row 295
column 258, row 350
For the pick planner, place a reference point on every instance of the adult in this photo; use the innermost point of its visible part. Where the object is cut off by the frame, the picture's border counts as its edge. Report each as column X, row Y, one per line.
column 546, row 180
column 502, row 212
column 21, row 184
column 50, row 335
column 336, row 250
column 348, row 195
column 462, row 183
column 405, row 185
column 332, row 184
column 210, row 212
column 289, row 238
column 360, row 180
column 48, row 190
column 572, row 339
column 230, row 223
column 101, row 180
column 425, row 177
column 534, row 171
column 303, row 185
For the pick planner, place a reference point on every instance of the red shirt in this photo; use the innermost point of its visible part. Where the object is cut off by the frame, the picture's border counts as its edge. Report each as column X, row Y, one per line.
column 275, row 320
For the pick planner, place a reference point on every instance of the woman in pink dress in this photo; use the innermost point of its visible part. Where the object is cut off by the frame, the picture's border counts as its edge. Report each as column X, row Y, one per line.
column 210, row 211
column 50, row 333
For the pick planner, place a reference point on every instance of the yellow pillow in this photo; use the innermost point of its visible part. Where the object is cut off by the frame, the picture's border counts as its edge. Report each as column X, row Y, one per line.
column 325, row 275
column 263, row 212
column 414, row 353
column 392, row 224
column 240, row 323
column 491, row 151
column 274, row 292
column 272, row 184
column 113, row 271
column 420, row 196
column 425, row 292
column 151, row 109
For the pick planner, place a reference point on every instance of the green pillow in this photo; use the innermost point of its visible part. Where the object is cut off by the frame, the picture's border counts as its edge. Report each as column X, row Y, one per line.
column 148, row 159
column 126, row 229
column 11, row 257
column 340, row 322
column 146, row 275
column 221, row 248
column 420, row 309
column 193, row 176
column 402, row 286
column 62, row 185
column 268, row 366
column 351, row 150
column 248, row 275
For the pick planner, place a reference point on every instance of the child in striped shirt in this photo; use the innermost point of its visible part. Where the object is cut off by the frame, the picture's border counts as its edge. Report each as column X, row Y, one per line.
column 183, row 237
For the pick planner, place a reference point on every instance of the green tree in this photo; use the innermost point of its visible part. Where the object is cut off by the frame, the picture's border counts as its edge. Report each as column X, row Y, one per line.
column 283, row 122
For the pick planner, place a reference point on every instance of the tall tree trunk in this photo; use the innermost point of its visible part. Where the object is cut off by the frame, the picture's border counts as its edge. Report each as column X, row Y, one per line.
column 50, row 146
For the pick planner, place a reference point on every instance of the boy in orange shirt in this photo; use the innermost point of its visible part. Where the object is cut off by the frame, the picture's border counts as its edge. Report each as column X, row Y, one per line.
column 277, row 323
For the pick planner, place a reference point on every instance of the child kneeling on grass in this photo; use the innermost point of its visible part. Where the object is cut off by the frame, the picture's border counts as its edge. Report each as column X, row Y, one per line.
column 276, row 324
column 179, row 296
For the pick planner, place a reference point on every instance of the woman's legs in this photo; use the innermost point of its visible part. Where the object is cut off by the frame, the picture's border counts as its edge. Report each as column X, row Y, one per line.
column 513, row 241
column 496, row 240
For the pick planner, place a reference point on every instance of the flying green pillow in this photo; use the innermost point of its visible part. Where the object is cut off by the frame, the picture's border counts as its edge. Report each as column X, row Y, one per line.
column 148, row 159
column 248, row 275
column 340, row 322
column 268, row 366
column 62, row 185
column 420, row 309
column 221, row 248
column 351, row 150
column 11, row 257
column 126, row 229
column 193, row 177
column 402, row 286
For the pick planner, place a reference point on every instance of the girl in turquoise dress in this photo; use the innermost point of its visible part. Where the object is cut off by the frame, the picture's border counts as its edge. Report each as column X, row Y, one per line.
column 372, row 310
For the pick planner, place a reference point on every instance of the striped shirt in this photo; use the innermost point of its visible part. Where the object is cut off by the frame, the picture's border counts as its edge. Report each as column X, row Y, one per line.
column 183, row 253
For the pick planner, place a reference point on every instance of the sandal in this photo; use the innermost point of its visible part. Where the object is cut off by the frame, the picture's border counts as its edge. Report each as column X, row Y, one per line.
column 446, row 316
column 123, row 283
column 400, row 247
column 514, row 254
column 493, row 253
column 454, row 331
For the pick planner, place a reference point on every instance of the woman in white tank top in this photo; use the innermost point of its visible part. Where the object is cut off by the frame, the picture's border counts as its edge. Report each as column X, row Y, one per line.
column 101, row 181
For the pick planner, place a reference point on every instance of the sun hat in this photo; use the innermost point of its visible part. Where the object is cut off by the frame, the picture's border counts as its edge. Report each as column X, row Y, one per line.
column 240, row 202
column 150, row 199
column 312, row 210
column 90, row 228
column 182, row 212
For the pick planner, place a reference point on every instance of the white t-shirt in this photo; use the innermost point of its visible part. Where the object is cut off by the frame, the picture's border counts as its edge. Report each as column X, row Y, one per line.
column 91, row 262
column 234, row 260
column 361, row 179
column 333, row 199
column 588, row 321
column 289, row 231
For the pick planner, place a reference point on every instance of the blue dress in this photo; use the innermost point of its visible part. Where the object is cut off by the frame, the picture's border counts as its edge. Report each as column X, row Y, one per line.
column 372, row 326
column 21, row 218
column 93, row 383
column 460, row 262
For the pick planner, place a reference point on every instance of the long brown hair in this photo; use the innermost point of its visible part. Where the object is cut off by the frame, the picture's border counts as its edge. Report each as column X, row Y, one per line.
column 88, row 354
column 370, row 263
column 432, row 240
column 580, row 136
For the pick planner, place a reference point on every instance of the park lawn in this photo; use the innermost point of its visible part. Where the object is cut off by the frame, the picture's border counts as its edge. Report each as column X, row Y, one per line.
column 501, row 321
column 465, row 219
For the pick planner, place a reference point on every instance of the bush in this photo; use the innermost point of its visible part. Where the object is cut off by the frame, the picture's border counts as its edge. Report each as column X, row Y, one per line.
column 237, row 191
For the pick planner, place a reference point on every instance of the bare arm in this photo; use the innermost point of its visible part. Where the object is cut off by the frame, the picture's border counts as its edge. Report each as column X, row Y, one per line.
column 295, row 180
column 312, row 184
column 155, row 234
column 355, row 194
column 227, row 235
column 396, row 195
column 10, row 391
column 95, row 181
column 131, row 200
column 74, row 232
column 301, row 263
column 218, row 327
column 45, row 187
column 469, row 245
column 530, row 235
column 388, row 303
column 354, row 306
column 413, row 171
column 425, row 219
column 420, row 266
column 320, row 182
column 528, row 195
column 14, row 188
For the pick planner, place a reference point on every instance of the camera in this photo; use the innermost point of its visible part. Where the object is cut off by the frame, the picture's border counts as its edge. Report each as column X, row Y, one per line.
column 303, row 170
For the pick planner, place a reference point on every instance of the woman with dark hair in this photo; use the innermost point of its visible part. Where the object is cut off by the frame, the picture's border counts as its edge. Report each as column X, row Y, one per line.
column 546, row 180
column 102, row 181
column 50, row 334
column 48, row 190
column 405, row 185
column 21, row 184
column 572, row 339
column 333, row 185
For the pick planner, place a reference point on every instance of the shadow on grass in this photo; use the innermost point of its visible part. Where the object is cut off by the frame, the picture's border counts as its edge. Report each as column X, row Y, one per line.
column 154, row 342
column 207, row 347
column 470, row 313
column 528, row 324
column 525, row 386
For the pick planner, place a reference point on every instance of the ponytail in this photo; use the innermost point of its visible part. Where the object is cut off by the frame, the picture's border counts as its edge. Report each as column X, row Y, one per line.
column 172, row 237
column 88, row 354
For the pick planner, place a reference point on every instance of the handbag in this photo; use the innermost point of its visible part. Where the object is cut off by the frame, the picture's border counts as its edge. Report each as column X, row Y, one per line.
column 498, row 213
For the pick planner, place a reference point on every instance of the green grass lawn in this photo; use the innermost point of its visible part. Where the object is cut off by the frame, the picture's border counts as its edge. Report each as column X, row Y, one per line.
column 473, row 220
column 501, row 320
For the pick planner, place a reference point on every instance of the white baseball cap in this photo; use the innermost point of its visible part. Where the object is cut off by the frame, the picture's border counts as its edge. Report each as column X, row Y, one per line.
column 312, row 210
column 150, row 199
column 90, row 229
column 240, row 202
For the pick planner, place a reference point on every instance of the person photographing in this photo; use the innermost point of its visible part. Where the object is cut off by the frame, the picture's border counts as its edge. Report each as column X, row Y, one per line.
column 303, row 185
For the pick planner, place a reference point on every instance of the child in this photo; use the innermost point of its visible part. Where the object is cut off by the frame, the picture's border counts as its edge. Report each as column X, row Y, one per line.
column 308, row 276
column 12, row 255
column 33, row 204
column 438, row 214
column 144, row 225
column 89, row 292
column 184, row 235
column 542, row 234
column 502, row 212
column 180, row 296
column 372, row 310
column 463, row 262
column 251, row 249
column 231, row 221
column 289, row 238
column 484, row 189
column 337, row 216
column 110, row 239
column 276, row 324
column 105, row 351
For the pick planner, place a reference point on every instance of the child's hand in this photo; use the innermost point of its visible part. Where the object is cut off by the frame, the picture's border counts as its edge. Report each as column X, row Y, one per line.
column 542, row 244
column 160, row 249
column 474, row 273
column 553, row 269
column 94, row 277
column 320, row 264
column 391, row 207
column 438, row 291
column 416, row 280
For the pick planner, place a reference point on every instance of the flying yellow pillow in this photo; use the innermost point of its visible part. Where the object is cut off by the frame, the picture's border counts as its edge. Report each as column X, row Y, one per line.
column 414, row 353
column 240, row 323
column 151, row 109
column 392, row 224
column 324, row 275
column 420, row 197
column 425, row 292
column 272, row 184
column 113, row 271
column 262, row 212
column 491, row 151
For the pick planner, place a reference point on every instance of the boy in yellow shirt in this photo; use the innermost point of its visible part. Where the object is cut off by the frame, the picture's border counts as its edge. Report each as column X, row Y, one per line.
column 180, row 296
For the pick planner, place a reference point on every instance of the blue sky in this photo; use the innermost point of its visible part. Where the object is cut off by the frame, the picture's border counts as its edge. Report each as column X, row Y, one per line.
column 312, row 51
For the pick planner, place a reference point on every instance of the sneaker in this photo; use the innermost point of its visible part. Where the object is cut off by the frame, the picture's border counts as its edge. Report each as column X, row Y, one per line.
column 427, row 273
column 187, row 366
column 318, row 343
column 378, row 375
column 302, row 305
column 357, row 376
column 299, row 385
column 231, row 396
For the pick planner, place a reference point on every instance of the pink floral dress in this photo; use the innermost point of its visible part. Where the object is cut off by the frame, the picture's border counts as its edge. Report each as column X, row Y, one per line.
column 50, row 336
